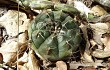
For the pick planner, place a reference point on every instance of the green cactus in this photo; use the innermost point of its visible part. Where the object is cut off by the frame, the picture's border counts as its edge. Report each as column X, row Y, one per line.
column 54, row 36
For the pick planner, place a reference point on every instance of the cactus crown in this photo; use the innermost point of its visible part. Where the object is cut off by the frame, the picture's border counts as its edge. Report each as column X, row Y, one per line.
column 54, row 35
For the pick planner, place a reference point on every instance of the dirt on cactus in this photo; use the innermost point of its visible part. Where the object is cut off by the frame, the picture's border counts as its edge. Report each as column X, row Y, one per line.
column 92, row 49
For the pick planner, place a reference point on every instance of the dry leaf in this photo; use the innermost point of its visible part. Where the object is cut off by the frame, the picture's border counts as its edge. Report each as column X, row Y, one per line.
column 61, row 65
column 98, row 30
column 101, row 53
column 15, row 41
column 55, row 68
column 1, row 38
column 87, row 58
column 93, row 43
column 23, row 37
column 98, row 10
column 32, row 62
column 20, row 67
column 88, row 68
column 24, row 58
column 105, row 68
column 10, row 22
column 75, row 65
column 1, row 58
column 1, row 69
column 9, row 49
column 106, row 52
column 106, row 41
column 80, row 6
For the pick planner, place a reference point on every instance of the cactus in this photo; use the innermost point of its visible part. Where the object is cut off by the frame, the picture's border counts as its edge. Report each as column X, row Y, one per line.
column 54, row 35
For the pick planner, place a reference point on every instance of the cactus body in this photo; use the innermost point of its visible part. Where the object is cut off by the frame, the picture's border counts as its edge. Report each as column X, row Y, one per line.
column 54, row 36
